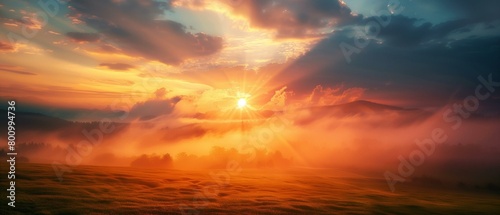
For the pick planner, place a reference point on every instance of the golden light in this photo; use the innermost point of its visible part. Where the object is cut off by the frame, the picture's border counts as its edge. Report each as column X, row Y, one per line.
column 242, row 103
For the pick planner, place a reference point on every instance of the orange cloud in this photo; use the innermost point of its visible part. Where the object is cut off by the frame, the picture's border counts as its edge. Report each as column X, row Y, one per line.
column 6, row 47
column 328, row 96
column 15, row 70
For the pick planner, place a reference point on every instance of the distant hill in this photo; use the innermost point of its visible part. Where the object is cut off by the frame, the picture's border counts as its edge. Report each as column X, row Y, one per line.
column 28, row 122
column 34, row 121
column 362, row 108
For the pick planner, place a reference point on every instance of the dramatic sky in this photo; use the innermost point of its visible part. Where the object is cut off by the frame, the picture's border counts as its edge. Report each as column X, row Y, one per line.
column 81, row 59
column 171, row 74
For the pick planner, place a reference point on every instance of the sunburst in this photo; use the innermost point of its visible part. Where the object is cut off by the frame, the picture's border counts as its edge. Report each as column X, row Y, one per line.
column 242, row 103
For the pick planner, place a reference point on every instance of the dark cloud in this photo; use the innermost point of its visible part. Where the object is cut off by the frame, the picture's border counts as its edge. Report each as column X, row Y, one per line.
column 294, row 19
column 153, row 108
column 478, row 11
column 117, row 66
column 83, row 37
column 410, row 60
column 403, row 31
column 135, row 27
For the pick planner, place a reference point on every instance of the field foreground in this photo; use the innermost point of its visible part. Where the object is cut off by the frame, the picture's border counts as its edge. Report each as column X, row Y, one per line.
column 121, row 190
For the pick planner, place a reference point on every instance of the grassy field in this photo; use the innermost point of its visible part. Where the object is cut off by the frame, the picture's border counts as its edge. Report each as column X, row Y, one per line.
column 121, row 190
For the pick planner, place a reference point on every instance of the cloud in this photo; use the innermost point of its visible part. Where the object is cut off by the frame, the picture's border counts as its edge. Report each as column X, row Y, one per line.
column 289, row 19
column 83, row 37
column 55, row 95
column 15, row 70
column 136, row 28
column 480, row 10
column 402, row 31
column 107, row 48
column 395, row 65
column 6, row 47
column 294, row 19
column 160, row 93
column 183, row 133
column 29, row 20
column 321, row 96
column 114, row 82
column 117, row 66
column 406, row 31
column 279, row 99
column 153, row 108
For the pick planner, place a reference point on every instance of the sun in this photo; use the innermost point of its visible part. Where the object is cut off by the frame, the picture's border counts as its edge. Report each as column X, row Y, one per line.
column 242, row 103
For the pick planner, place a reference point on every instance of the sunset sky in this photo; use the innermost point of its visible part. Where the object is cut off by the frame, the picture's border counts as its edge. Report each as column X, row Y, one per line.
column 188, row 57
column 250, row 106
